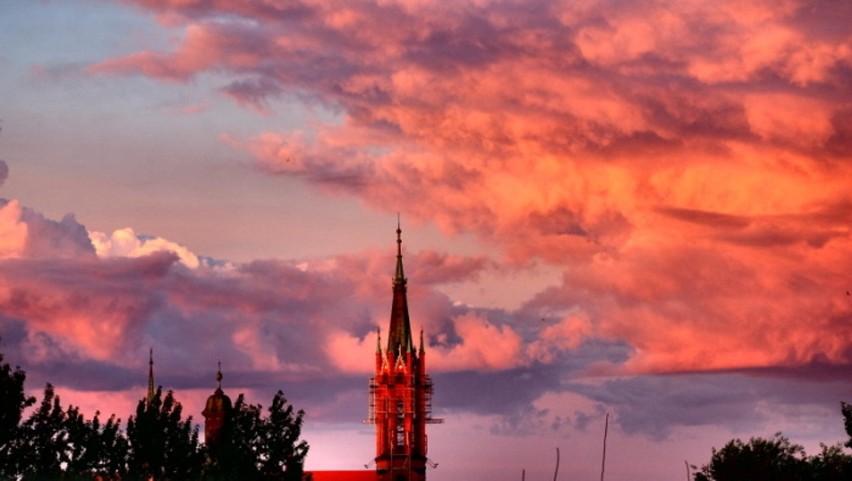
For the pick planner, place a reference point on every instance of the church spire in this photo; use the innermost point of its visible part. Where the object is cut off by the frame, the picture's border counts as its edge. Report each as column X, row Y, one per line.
column 399, row 334
column 150, row 375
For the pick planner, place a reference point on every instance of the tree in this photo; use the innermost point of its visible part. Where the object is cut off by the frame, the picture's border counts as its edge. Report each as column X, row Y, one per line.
column 284, row 455
column 42, row 448
column 95, row 449
column 162, row 444
column 846, row 409
column 832, row 464
column 13, row 402
column 774, row 459
column 262, row 448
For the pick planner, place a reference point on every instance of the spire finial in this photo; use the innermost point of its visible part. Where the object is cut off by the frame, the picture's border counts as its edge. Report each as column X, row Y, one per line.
column 421, row 341
column 378, row 339
column 399, row 278
column 219, row 376
column 398, row 236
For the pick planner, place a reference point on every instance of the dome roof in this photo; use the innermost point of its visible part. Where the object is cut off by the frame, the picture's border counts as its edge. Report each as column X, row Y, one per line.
column 217, row 403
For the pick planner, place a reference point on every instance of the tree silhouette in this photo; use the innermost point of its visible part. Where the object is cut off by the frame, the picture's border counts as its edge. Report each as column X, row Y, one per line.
column 283, row 454
column 60, row 444
column 42, row 448
column 846, row 409
column 162, row 444
column 774, row 459
column 261, row 448
column 13, row 401
column 95, row 449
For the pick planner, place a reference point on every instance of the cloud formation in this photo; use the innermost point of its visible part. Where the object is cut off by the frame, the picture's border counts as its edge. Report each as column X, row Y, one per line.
column 687, row 164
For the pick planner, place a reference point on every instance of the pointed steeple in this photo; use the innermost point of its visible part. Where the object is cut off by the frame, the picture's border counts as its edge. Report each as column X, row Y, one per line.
column 399, row 334
column 151, row 375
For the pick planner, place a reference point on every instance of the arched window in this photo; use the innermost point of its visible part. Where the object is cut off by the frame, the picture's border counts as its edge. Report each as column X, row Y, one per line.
column 400, row 423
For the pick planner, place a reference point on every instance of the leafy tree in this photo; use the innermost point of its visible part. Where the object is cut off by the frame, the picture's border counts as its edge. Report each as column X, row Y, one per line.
column 832, row 464
column 162, row 444
column 95, row 449
column 283, row 453
column 13, row 402
column 43, row 445
column 846, row 409
column 261, row 448
column 774, row 459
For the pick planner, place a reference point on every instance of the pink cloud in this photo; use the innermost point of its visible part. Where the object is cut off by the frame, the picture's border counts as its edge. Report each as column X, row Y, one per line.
column 13, row 235
column 685, row 165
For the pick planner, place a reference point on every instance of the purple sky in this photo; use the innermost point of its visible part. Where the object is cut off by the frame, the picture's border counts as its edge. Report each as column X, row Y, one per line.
column 635, row 208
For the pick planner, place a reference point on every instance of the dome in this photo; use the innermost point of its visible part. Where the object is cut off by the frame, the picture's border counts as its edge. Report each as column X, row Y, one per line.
column 217, row 404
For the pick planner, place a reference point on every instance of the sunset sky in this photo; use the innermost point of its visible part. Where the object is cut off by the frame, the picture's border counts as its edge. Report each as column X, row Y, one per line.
column 641, row 208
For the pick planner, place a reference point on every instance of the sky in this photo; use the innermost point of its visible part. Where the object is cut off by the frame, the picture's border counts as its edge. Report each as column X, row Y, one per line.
column 640, row 209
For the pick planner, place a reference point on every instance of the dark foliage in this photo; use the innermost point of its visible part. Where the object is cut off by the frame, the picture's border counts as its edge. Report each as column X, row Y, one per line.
column 259, row 448
column 774, row 459
column 777, row 459
column 846, row 409
column 56, row 443
column 162, row 444
column 13, row 401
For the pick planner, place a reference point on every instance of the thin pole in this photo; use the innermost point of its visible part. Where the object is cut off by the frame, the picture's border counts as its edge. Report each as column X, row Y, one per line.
column 603, row 460
column 687, row 470
column 557, row 464
column 523, row 475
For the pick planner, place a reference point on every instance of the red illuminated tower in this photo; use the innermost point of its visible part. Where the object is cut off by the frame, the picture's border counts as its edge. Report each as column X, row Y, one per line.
column 400, row 393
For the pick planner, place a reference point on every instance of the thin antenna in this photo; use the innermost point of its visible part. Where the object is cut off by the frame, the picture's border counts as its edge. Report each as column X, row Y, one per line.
column 557, row 464
column 523, row 475
column 603, row 460
column 688, row 477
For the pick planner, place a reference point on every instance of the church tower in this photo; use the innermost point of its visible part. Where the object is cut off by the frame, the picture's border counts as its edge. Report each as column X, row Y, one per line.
column 400, row 393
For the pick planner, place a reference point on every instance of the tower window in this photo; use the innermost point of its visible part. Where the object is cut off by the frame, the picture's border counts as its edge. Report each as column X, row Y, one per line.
column 400, row 423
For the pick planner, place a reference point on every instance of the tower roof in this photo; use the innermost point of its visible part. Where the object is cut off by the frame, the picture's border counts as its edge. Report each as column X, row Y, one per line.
column 218, row 403
column 399, row 333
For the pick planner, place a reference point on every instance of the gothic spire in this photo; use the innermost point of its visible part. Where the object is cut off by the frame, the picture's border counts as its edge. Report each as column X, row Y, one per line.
column 151, row 375
column 399, row 334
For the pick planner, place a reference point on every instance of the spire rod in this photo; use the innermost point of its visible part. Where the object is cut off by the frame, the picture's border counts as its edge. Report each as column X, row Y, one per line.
column 399, row 278
column 219, row 376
